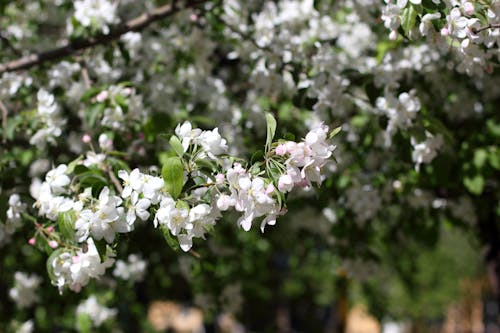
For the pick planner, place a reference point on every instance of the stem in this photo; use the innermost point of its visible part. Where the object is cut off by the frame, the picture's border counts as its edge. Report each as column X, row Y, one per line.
column 4, row 111
column 114, row 180
column 486, row 27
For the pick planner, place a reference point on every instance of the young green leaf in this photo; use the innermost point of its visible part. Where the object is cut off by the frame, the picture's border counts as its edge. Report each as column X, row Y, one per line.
column 334, row 132
column 271, row 130
column 173, row 175
column 176, row 145
column 171, row 241
column 66, row 223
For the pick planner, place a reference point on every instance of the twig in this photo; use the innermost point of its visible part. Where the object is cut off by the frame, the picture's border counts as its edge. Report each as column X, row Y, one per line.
column 195, row 254
column 243, row 35
column 85, row 75
column 486, row 27
column 6, row 42
column 115, row 180
column 71, row 47
column 4, row 111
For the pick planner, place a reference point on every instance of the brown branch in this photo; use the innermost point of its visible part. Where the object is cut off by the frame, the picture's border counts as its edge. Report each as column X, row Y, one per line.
column 114, row 180
column 71, row 47
column 4, row 111
column 486, row 27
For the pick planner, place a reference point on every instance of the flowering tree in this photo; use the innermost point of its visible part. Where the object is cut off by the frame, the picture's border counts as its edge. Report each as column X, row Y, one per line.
column 358, row 128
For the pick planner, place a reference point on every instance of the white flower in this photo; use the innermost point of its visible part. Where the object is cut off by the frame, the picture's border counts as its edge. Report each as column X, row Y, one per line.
column 285, row 183
column 25, row 288
column 133, row 270
column 103, row 220
column 101, row 13
column 426, row 23
column 105, row 142
column 138, row 208
column 212, row 143
column 96, row 312
column 26, row 327
column 57, row 179
column 16, row 208
column 186, row 134
column 151, row 188
column 457, row 24
column 178, row 220
column 131, row 182
column 426, row 151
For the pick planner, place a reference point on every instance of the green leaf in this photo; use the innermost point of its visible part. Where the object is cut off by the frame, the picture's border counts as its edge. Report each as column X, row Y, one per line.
column 66, row 222
column 101, row 248
column 408, row 19
column 480, row 156
column 271, row 129
column 176, row 145
column 494, row 158
column 96, row 111
column 73, row 164
column 173, row 175
column 493, row 127
column 475, row 184
column 83, row 323
column 334, row 132
column 171, row 241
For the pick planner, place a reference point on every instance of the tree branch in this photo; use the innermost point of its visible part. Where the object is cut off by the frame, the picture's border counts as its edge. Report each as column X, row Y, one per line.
column 486, row 27
column 71, row 47
column 4, row 111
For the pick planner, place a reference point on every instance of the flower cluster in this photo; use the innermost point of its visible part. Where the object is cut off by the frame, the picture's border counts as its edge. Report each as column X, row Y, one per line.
column 401, row 111
column 75, row 269
column 305, row 159
column 120, row 104
column 97, row 13
column 50, row 119
column 196, row 186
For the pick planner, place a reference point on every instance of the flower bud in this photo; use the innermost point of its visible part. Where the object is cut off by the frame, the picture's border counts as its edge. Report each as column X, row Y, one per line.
column 280, row 150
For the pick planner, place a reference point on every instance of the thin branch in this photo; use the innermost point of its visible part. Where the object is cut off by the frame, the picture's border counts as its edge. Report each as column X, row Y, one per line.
column 486, row 27
column 71, row 47
column 4, row 111
column 6, row 42
column 115, row 180
column 85, row 73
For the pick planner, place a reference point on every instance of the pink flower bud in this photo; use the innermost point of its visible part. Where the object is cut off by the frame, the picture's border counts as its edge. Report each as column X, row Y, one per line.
column 86, row 138
column 219, row 178
column 269, row 189
column 32, row 241
column 445, row 31
column 50, row 229
column 468, row 8
column 75, row 259
column 53, row 244
column 280, row 150
column 102, row 96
